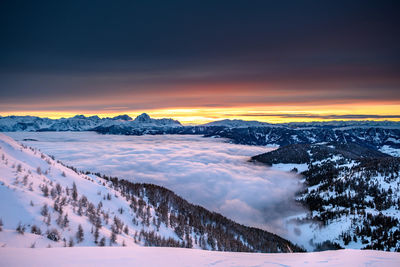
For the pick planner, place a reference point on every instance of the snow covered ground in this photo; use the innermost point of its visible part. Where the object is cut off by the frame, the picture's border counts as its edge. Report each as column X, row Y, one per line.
column 24, row 175
column 205, row 171
column 390, row 150
column 45, row 204
column 151, row 256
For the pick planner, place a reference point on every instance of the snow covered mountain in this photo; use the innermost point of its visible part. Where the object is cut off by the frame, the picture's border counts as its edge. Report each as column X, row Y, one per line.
column 383, row 139
column 386, row 140
column 240, row 124
column 144, row 120
column 382, row 135
column 352, row 193
column 44, row 203
column 345, row 124
column 80, row 123
column 301, row 125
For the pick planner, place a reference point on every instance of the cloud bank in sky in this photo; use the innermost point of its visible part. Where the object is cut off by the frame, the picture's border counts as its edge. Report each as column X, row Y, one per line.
column 205, row 171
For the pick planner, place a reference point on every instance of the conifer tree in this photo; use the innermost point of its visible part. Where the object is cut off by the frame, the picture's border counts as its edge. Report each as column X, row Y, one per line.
column 96, row 235
column 102, row 242
column 20, row 228
column 79, row 234
column 74, row 192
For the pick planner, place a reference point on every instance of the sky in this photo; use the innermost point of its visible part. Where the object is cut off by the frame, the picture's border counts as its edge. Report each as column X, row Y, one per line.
column 199, row 61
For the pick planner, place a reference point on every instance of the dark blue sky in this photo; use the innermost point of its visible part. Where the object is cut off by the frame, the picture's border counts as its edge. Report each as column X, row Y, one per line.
column 337, row 50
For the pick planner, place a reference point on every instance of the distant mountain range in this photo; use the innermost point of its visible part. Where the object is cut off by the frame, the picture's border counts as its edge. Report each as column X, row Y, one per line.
column 80, row 123
column 240, row 124
column 125, row 122
column 380, row 135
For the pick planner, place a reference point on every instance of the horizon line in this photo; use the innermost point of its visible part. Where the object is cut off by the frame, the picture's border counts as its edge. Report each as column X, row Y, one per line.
column 287, row 116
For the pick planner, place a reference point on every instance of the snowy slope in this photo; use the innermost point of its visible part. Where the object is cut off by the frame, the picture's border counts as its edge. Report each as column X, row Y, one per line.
column 352, row 192
column 24, row 175
column 51, row 202
column 145, row 256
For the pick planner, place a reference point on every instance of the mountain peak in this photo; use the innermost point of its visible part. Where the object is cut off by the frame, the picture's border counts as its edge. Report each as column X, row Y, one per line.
column 79, row 117
column 122, row 117
column 144, row 117
column 94, row 117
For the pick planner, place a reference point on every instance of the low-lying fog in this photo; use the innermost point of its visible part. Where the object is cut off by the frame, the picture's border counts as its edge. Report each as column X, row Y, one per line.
column 205, row 171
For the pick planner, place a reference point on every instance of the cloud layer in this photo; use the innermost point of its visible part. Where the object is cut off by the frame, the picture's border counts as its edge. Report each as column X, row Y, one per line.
column 205, row 171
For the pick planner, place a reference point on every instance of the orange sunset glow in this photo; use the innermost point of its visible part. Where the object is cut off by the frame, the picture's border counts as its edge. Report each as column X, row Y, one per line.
column 271, row 114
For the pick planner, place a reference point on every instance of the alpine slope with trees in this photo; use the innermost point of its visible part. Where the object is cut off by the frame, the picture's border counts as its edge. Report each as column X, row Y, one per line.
column 352, row 193
column 46, row 204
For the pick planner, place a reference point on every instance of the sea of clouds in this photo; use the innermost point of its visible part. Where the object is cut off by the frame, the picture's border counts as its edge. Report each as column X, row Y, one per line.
column 207, row 171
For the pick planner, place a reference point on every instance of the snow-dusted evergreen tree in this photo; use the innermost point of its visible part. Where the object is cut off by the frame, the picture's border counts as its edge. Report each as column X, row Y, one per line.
column 96, row 235
column 102, row 242
column 113, row 237
column 53, row 234
column 65, row 221
column 48, row 219
column 79, row 234
column 36, row 230
column 45, row 190
column 20, row 228
column 74, row 192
